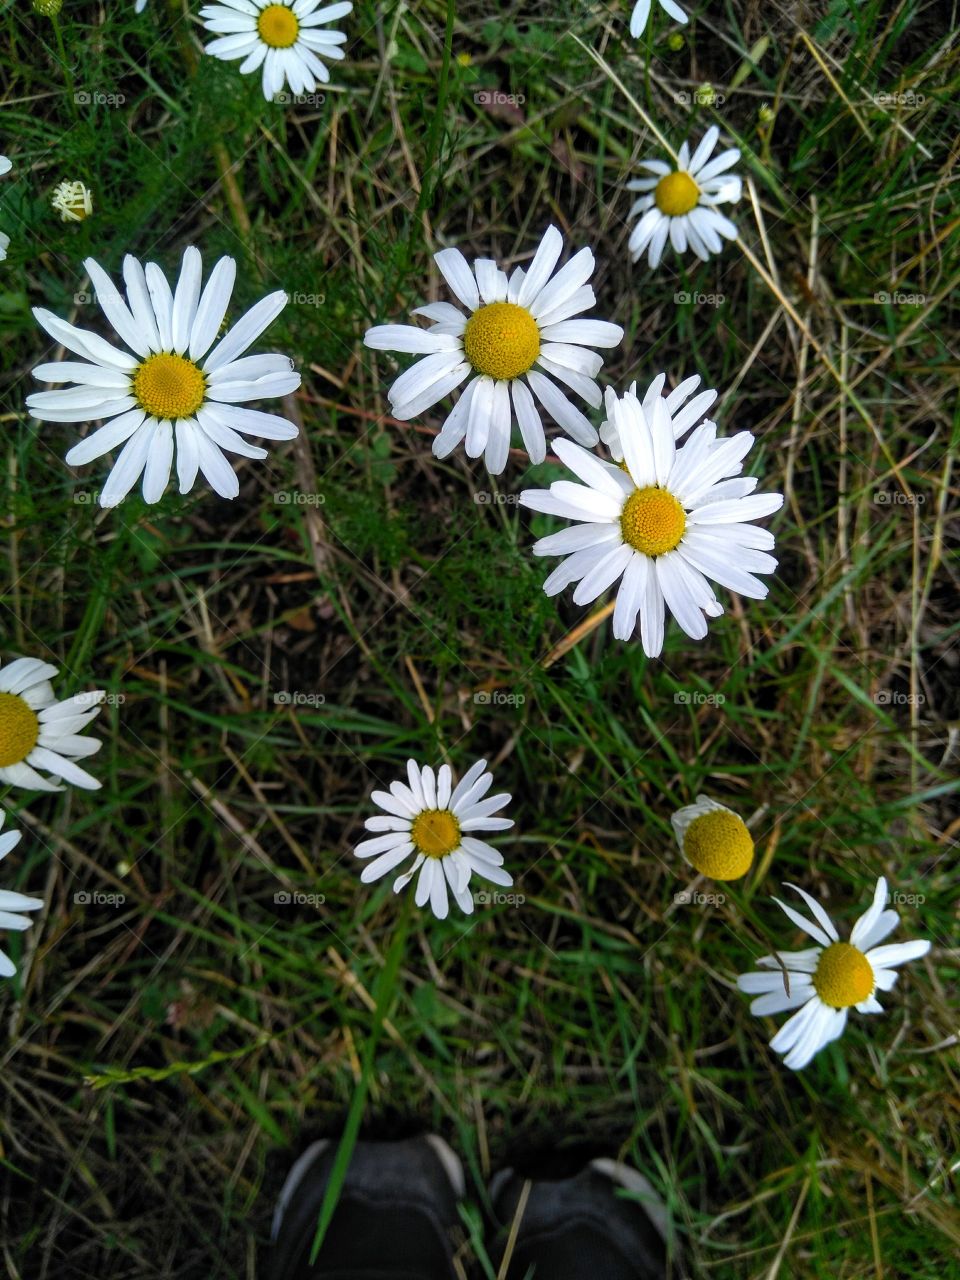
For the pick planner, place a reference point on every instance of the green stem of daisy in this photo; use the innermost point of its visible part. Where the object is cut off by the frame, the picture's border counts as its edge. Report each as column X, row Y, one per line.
column 67, row 73
column 385, row 990
column 436, row 125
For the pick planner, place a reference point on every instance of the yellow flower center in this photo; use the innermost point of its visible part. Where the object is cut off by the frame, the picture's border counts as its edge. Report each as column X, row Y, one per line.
column 278, row 26
column 719, row 845
column 652, row 521
column 844, row 976
column 501, row 340
column 19, row 729
column 676, row 194
column 435, row 832
column 169, row 386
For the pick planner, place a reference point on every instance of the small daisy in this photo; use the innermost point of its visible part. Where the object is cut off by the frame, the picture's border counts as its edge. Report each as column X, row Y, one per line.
column 282, row 37
column 661, row 524
column 171, row 388
column 681, row 202
column 514, row 324
column 37, row 732
column 12, row 904
column 434, row 823
column 641, row 12
column 680, row 409
column 827, row 980
column 73, row 201
column 713, row 839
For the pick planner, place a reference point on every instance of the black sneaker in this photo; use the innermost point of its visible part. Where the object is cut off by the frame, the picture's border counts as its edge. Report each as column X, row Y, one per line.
column 396, row 1216
column 605, row 1223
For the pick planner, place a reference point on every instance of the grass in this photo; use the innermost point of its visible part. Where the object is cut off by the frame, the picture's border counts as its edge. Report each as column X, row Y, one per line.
column 174, row 1039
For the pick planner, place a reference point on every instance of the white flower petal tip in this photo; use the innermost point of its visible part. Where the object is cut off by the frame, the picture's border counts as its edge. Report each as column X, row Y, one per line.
column 677, row 202
column 641, row 13
column 521, row 346
column 180, row 396
column 664, row 525
column 429, row 831
column 288, row 41
column 13, row 905
column 41, row 736
column 824, row 982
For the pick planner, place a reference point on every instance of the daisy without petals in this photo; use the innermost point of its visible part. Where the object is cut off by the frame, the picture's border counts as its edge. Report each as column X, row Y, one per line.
column 12, row 904
column 285, row 39
column 518, row 330
column 434, row 823
column 660, row 524
column 683, row 408
column 174, row 387
column 828, row 980
column 681, row 202
column 713, row 839
column 641, row 12
column 37, row 732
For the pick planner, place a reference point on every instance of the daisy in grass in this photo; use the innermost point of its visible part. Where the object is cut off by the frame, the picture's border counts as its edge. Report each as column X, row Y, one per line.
column 174, row 387
column 37, row 732
column 661, row 524
column 641, row 12
column 824, row 982
column 12, row 904
column 713, row 839
column 433, row 822
column 682, row 411
column 681, row 202
column 283, row 38
column 519, row 328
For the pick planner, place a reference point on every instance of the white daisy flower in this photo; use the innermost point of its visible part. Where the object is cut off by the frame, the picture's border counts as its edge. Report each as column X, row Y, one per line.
column 281, row 36
column 682, row 411
column 4, row 245
column 827, row 980
column 6, row 164
column 174, row 386
column 433, row 822
column 12, row 904
column 660, row 524
column 37, row 732
column 681, row 202
column 519, row 329
column 641, row 12
column 713, row 839
column 73, row 201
